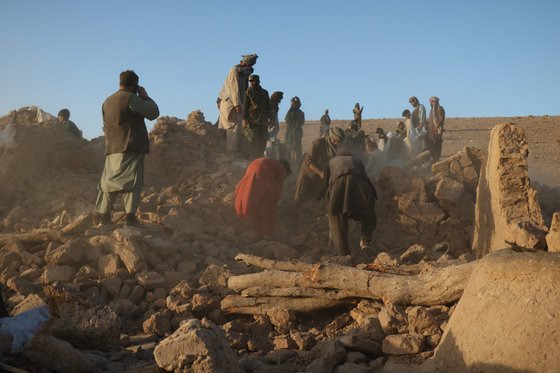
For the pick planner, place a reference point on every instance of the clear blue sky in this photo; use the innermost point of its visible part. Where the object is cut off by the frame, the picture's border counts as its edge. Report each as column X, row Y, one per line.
column 482, row 58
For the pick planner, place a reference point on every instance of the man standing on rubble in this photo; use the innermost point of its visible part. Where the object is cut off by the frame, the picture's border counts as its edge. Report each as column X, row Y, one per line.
column 434, row 138
column 126, row 143
column 325, row 123
column 350, row 195
column 256, row 115
column 231, row 100
column 258, row 192
column 418, row 118
column 295, row 119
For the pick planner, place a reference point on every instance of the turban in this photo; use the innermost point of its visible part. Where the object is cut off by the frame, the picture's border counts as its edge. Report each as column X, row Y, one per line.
column 255, row 77
column 277, row 95
column 336, row 134
column 250, row 59
column 434, row 98
column 295, row 100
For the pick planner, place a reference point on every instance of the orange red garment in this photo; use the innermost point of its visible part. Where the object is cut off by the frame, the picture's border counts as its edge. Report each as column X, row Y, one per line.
column 258, row 192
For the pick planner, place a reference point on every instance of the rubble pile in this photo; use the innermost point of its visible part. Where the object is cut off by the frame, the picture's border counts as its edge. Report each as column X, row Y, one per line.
column 169, row 296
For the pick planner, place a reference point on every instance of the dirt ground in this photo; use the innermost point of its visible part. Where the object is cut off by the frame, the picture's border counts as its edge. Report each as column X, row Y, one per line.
column 543, row 133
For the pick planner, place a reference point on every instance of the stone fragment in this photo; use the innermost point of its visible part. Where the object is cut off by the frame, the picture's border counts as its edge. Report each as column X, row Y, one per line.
column 124, row 307
column 355, row 357
column 329, row 355
column 158, row 323
column 85, row 325
column 507, row 211
column 197, row 346
column 70, row 253
column 131, row 254
column 283, row 342
column 420, row 321
column 57, row 355
column 173, row 278
column 137, row 294
column 112, row 285
column 393, row 319
column 30, row 302
column 20, row 285
column 108, row 265
column 356, row 342
column 281, row 318
column 203, row 304
column 215, row 276
column 53, row 273
column 304, row 341
column 553, row 236
column 150, row 280
column 403, row 344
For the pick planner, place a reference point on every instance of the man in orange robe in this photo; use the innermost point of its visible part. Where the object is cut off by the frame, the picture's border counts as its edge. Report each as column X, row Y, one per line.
column 258, row 192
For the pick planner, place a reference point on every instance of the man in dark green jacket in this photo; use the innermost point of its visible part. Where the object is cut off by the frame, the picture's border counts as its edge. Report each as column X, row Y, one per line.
column 126, row 143
column 256, row 116
column 67, row 124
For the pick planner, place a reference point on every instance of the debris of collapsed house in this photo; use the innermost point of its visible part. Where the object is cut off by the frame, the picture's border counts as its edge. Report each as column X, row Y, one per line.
column 199, row 290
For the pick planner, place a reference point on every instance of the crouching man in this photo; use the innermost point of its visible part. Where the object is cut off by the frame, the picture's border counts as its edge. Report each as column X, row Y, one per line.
column 350, row 195
column 257, row 194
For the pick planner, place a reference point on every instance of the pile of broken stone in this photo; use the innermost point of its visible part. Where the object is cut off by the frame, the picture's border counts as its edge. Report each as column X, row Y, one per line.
column 122, row 299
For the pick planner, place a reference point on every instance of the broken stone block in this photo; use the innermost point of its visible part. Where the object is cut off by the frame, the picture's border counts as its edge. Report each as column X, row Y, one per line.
column 304, row 341
column 283, row 342
column 420, row 321
column 197, row 346
column 57, row 355
column 131, row 254
column 70, row 253
column 21, row 286
column 158, row 323
column 83, row 324
column 137, row 294
column 108, row 265
column 393, row 319
column 403, row 344
column 329, row 355
column 203, row 304
column 30, row 302
column 553, row 236
column 507, row 210
column 112, row 285
column 281, row 318
column 124, row 307
column 150, row 280
column 357, row 342
column 355, row 357
column 53, row 273
column 215, row 276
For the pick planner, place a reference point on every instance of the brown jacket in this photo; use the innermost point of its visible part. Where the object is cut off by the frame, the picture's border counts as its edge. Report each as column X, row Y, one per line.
column 123, row 122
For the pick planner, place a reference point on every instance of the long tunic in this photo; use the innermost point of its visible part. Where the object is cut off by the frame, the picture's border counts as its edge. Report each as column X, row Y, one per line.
column 295, row 118
column 309, row 185
column 435, row 122
column 258, row 192
column 418, row 117
column 231, row 95
column 350, row 191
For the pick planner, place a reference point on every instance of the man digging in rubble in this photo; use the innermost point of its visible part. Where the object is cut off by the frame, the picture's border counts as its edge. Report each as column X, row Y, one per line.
column 258, row 192
column 350, row 195
column 126, row 143
column 313, row 172
column 256, row 115
column 231, row 100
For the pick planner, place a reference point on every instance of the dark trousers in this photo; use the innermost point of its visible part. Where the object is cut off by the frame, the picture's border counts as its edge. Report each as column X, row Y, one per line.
column 257, row 137
column 338, row 225
column 435, row 148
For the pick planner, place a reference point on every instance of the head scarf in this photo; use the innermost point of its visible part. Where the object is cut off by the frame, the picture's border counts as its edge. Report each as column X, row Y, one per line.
column 249, row 59
column 334, row 134
column 295, row 102
column 434, row 98
column 277, row 96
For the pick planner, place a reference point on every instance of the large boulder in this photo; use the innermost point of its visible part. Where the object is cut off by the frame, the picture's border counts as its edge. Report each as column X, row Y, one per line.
column 507, row 211
column 197, row 346
column 508, row 319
